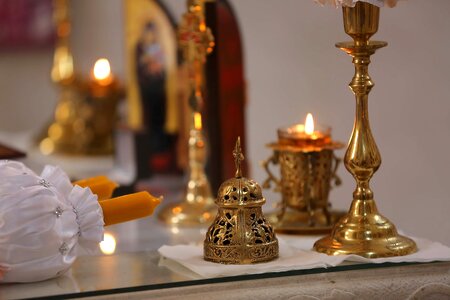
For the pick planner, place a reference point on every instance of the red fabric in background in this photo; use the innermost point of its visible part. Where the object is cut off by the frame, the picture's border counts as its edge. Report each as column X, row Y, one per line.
column 26, row 24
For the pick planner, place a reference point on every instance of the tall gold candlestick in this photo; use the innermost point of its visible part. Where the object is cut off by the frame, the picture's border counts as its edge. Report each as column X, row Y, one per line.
column 196, row 42
column 363, row 231
column 62, row 70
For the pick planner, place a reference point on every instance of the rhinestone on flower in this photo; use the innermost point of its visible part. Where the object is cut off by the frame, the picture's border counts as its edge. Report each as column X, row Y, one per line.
column 63, row 249
column 58, row 211
column 44, row 183
column 77, row 219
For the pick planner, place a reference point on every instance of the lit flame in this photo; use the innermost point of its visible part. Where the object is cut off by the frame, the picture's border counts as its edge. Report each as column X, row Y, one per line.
column 197, row 121
column 202, row 27
column 108, row 245
column 309, row 124
column 102, row 71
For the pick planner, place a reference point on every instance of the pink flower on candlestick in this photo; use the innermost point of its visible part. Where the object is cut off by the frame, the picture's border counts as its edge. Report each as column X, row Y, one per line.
column 379, row 3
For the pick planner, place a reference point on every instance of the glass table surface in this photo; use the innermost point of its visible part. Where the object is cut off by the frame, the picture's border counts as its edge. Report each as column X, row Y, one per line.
column 135, row 265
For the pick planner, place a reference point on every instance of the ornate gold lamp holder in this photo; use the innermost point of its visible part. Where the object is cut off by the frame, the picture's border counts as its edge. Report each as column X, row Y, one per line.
column 240, row 234
column 85, row 115
column 363, row 230
column 197, row 42
column 307, row 167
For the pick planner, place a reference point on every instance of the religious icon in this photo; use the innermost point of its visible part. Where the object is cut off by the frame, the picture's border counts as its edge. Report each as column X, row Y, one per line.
column 153, row 88
column 151, row 77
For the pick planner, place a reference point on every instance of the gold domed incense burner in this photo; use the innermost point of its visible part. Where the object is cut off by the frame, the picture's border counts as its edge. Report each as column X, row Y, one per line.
column 240, row 234
column 363, row 231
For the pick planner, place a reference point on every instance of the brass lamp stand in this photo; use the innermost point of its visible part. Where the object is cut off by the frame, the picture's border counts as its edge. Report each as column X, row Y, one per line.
column 363, row 231
column 196, row 42
column 85, row 115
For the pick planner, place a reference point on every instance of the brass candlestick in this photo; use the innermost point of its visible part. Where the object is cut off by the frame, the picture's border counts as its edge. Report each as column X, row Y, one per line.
column 363, row 231
column 196, row 42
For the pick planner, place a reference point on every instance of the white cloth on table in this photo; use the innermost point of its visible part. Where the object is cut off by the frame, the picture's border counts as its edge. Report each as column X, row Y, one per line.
column 295, row 254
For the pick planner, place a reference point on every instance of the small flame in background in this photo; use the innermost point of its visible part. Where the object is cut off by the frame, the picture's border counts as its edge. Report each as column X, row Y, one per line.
column 309, row 124
column 197, row 121
column 102, row 69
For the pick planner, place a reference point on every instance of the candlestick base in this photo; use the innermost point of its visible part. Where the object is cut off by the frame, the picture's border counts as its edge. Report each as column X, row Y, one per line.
column 198, row 206
column 363, row 231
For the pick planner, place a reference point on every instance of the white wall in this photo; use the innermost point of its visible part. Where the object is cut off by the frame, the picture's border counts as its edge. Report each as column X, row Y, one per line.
column 293, row 68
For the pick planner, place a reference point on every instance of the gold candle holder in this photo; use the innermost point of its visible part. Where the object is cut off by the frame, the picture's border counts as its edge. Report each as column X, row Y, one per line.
column 363, row 231
column 196, row 42
column 85, row 118
column 85, row 115
column 308, row 167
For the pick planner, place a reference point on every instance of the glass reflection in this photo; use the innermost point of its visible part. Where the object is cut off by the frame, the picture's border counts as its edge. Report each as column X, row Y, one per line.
column 108, row 245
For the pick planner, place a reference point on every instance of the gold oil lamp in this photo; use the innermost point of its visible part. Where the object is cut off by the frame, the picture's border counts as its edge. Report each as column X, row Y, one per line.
column 240, row 234
column 85, row 114
column 196, row 41
column 307, row 166
column 363, row 230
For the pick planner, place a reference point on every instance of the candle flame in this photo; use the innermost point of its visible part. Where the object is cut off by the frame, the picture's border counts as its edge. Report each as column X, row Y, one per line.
column 197, row 121
column 108, row 245
column 102, row 69
column 309, row 124
column 202, row 27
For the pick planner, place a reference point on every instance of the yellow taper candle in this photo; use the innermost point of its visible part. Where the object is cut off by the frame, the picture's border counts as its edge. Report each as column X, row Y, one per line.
column 128, row 207
column 101, row 185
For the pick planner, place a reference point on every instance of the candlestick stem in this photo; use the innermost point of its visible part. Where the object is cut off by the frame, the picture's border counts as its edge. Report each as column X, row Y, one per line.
column 363, row 231
column 196, row 41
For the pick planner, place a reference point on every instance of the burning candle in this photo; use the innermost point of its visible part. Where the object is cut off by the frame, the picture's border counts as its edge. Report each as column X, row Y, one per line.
column 103, row 83
column 102, row 72
column 197, row 121
column 304, row 135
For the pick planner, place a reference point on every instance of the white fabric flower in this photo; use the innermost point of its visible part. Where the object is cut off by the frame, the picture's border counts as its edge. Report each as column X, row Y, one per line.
column 351, row 3
column 43, row 221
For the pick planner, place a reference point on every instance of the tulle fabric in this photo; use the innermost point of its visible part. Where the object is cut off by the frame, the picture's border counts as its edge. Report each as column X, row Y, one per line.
column 351, row 3
column 43, row 222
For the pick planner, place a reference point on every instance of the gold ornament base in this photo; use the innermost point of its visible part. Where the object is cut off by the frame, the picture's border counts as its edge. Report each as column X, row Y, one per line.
column 363, row 231
column 295, row 222
column 198, row 205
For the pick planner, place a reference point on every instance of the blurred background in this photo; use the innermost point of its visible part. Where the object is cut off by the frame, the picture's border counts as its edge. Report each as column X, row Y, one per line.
column 291, row 67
